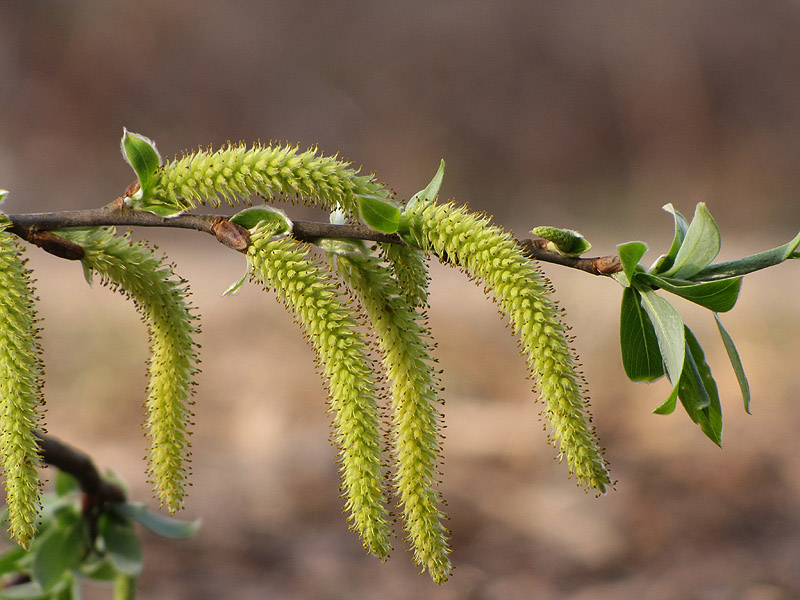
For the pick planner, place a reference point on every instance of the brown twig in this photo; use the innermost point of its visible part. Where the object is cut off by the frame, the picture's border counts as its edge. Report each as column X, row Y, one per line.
column 599, row 265
column 36, row 228
column 78, row 464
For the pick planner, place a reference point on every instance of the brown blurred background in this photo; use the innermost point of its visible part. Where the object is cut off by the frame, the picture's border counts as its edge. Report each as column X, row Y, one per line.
column 589, row 115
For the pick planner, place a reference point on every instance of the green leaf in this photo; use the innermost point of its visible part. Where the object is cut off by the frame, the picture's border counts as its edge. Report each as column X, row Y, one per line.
column 564, row 241
column 65, row 484
column 3, row 194
column 99, row 570
column 237, row 285
column 121, row 544
column 748, row 264
column 641, row 357
column 431, row 190
column 379, row 214
column 9, row 562
column 56, row 554
column 164, row 526
column 27, row 591
column 428, row 194
column 665, row 261
column 630, row 253
column 736, row 362
column 141, row 154
column 718, row 296
column 668, row 406
column 668, row 326
column 157, row 208
column 700, row 246
column 698, row 391
column 249, row 218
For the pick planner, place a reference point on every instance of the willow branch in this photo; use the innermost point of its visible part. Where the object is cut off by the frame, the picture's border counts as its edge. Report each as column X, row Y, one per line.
column 74, row 462
column 36, row 228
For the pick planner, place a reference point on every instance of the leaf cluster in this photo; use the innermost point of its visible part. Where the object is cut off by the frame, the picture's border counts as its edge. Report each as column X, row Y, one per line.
column 77, row 541
column 653, row 337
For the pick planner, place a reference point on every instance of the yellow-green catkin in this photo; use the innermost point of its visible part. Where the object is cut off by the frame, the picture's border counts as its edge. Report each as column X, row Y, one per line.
column 415, row 417
column 488, row 253
column 411, row 272
column 21, row 397
column 236, row 172
column 161, row 299
column 305, row 288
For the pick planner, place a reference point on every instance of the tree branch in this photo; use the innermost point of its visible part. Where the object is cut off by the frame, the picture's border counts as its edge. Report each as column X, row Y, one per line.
column 74, row 462
column 36, row 228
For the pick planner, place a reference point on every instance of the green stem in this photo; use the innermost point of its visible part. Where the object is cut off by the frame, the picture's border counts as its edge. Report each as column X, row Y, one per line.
column 124, row 587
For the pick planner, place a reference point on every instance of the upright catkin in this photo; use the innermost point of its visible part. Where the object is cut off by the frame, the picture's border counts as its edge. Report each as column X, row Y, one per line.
column 236, row 172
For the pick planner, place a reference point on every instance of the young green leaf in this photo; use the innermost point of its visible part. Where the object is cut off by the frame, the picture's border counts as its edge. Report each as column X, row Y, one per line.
column 168, row 527
column 700, row 246
column 237, row 285
column 25, row 591
column 665, row 261
column 57, row 552
column 668, row 326
column 424, row 196
column 431, row 190
column 121, row 544
column 641, row 357
column 630, row 253
column 736, row 362
column 563, row 241
column 11, row 559
column 250, row 217
column 668, row 406
column 698, row 391
column 65, row 484
column 379, row 214
column 718, row 296
column 141, row 154
column 748, row 264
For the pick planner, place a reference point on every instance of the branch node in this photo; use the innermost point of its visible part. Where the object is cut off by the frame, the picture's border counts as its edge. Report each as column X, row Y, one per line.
column 55, row 245
column 230, row 234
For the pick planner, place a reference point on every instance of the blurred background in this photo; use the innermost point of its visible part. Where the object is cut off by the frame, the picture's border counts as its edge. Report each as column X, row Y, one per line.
column 584, row 115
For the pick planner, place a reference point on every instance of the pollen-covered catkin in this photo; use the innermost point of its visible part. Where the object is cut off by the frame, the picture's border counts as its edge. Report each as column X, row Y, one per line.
column 21, row 398
column 415, row 418
column 235, row 173
column 305, row 288
column 491, row 255
column 161, row 298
